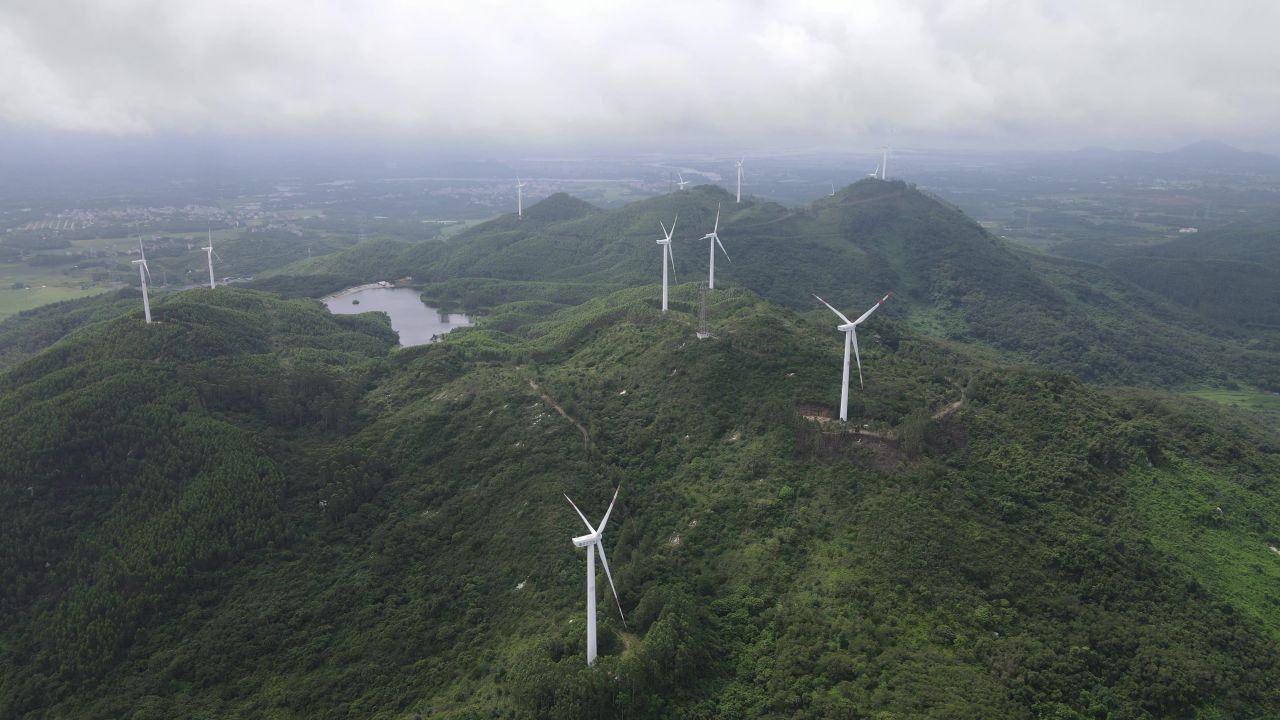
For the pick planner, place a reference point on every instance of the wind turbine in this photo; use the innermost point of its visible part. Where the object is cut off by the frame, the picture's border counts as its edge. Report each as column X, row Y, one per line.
column 682, row 182
column 665, row 242
column 210, row 254
column 591, row 541
column 714, row 237
column 739, row 200
column 144, row 273
column 519, row 198
column 850, row 330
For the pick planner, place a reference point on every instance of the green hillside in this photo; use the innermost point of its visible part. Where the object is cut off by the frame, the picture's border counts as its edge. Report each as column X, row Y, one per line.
column 1237, row 293
column 950, row 278
column 1257, row 242
column 1173, row 321
column 255, row 509
column 29, row 332
column 1231, row 276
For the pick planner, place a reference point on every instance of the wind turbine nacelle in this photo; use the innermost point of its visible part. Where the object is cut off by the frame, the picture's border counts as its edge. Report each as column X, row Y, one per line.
column 847, row 328
column 586, row 540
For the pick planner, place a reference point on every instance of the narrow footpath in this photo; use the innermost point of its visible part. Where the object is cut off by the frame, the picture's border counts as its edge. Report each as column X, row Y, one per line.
column 586, row 438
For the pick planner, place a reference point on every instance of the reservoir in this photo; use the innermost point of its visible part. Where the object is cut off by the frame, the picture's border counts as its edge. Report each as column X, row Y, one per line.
column 415, row 322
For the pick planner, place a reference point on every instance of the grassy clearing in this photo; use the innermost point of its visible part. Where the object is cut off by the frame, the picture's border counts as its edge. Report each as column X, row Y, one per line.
column 45, row 285
column 451, row 230
column 13, row 302
column 1208, row 522
column 1259, row 403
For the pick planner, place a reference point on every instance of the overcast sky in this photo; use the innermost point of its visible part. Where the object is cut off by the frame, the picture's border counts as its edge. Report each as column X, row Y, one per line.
column 541, row 75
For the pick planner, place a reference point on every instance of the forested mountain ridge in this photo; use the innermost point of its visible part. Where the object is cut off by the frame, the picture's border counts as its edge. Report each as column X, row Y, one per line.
column 1231, row 276
column 951, row 279
column 256, row 509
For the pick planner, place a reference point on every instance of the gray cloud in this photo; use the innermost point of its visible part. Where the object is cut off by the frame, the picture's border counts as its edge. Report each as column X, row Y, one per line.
column 656, row 72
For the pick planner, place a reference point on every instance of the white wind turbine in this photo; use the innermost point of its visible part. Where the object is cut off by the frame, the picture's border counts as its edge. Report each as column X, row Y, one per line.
column 144, row 274
column 520, row 197
column 739, row 200
column 714, row 237
column 682, row 182
column 665, row 242
column 850, row 330
column 210, row 254
column 591, row 541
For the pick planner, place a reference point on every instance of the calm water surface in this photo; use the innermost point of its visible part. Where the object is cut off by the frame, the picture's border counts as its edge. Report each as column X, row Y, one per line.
column 415, row 322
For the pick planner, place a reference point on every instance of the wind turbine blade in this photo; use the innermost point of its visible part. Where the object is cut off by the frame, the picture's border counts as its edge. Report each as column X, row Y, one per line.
column 726, row 252
column 146, row 268
column 584, row 517
column 672, row 258
column 605, row 561
column 142, row 249
column 837, row 312
column 673, row 226
column 875, row 307
column 606, row 512
column 664, row 229
column 854, row 334
column 717, row 227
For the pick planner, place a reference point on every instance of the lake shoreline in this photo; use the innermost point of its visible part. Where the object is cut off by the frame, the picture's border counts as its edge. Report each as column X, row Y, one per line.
column 380, row 285
column 414, row 321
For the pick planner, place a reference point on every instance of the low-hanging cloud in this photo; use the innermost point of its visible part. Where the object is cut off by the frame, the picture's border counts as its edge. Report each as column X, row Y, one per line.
column 653, row 72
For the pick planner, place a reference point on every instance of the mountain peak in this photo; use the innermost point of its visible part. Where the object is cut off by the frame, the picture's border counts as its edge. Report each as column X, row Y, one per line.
column 559, row 208
column 1208, row 147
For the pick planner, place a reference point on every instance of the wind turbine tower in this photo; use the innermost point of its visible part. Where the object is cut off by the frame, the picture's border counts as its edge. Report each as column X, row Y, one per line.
column 850, row 330
column 884, row 162
column 519, row 198
column 704, row 331
column 665, row 242
column 591, row 541
column 210, row 254
column 714, row 237
column 144, row 273
column 739, row 200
